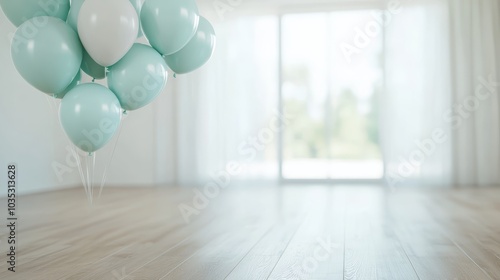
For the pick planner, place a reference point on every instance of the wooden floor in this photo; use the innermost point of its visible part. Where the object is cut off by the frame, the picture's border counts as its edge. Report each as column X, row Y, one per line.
column 261, row 233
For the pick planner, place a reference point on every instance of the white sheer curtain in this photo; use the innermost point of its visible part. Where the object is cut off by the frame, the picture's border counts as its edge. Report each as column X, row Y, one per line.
column 439, row 123
column 441, row 115
column 476, row 34
column 221, row 108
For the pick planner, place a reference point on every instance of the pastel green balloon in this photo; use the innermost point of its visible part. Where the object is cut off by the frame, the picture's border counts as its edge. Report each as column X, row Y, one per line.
column 90, row 115
column 76, row 81
column 196, row 53
column 91, row 67
column 19, row 11
column 47, row 53
column 138, row 78
column 73, row 13
column 169, row 24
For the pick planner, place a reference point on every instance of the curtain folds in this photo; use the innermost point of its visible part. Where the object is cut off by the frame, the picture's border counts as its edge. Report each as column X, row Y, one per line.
column 440, row 111
column 222, row 107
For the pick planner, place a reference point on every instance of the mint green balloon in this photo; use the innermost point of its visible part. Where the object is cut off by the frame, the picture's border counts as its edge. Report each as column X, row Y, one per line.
column 196, row 53
column 169, row 24
column 90, row 115
column 91, row 67
column 139, row 77
column 76, row 81
column 19, row 11
column 73, row 13
column 47, row 53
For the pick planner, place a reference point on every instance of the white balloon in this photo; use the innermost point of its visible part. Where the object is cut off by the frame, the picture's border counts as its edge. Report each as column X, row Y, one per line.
column 107, row 29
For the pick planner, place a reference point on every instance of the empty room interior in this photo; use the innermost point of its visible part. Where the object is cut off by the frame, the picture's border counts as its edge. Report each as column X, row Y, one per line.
column 249, row 139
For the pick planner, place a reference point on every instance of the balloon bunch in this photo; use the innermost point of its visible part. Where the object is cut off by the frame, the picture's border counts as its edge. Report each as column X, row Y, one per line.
column 56, row 40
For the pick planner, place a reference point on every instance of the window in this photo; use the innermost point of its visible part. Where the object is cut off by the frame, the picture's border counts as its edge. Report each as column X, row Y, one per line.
column 332, row 98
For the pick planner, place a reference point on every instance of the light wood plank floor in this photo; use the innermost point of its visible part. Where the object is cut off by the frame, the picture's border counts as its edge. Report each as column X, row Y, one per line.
column 262, row 233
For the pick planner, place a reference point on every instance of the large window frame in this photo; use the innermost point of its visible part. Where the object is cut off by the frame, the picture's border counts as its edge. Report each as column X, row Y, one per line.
column 280, row 144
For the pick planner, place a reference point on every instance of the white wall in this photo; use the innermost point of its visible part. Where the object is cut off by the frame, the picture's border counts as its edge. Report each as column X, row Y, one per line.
column 30, row 135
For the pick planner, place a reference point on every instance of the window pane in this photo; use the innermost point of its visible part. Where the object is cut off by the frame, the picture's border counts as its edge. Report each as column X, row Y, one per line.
column 332, row 97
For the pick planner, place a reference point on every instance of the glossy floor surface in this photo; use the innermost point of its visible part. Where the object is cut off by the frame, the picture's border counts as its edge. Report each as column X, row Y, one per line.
column 257, row 233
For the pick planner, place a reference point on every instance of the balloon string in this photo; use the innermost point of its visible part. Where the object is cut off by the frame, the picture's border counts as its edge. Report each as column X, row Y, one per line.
column 105, row 174
column 82, row 175
column 80, row 169
column 93, row 156
column 53, row 107
column 85, row 183
column 48, row 102
column 52, row 104
column 89, row 184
